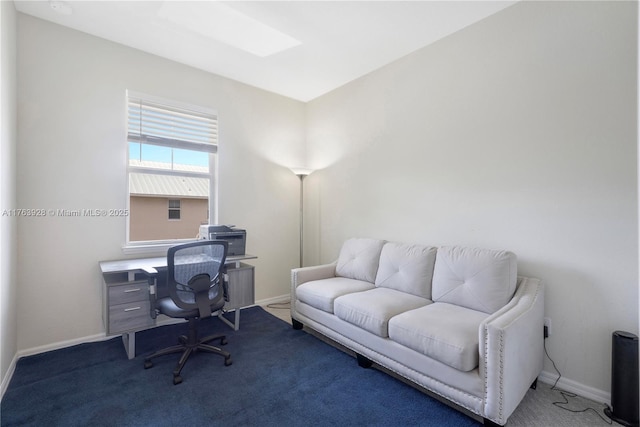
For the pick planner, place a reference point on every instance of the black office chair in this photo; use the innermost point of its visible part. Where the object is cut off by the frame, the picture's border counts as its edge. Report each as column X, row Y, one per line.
column 197, row 285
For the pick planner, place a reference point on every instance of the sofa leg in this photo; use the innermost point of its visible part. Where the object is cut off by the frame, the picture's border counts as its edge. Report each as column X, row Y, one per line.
column 489, row 423
column 363, row 362
column 296, row 325
column 534, row 384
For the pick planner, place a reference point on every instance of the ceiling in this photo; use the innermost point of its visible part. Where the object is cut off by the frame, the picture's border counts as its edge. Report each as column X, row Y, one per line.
column 300, row 49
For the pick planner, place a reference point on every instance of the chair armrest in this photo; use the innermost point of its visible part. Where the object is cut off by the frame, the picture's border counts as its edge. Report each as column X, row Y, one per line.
column 512, row 350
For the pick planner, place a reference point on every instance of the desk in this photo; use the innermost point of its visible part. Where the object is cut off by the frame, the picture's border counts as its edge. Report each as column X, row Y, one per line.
column 126, row 306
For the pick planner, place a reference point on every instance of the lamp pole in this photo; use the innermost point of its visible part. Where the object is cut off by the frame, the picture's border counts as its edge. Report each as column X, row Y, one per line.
column 302, row 177
column 302, row 174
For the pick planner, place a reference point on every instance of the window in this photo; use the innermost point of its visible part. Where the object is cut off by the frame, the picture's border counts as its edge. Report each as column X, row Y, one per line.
column 174, row 209
column 172, row 157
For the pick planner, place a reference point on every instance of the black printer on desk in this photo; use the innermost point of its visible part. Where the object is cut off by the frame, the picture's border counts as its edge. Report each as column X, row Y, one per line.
column 235, row 237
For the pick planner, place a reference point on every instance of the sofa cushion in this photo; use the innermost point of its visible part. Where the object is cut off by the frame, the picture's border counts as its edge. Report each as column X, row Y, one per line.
column 321, row 294
column 407, row 268
column 445, row 332
column 371, row 310
column 359, row 258
column 479, row 279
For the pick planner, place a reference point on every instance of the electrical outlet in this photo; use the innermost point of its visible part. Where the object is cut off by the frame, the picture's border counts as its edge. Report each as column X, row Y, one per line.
column 547, row 326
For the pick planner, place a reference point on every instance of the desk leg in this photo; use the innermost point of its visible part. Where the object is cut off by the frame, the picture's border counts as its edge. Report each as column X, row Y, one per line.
column 236, row 320
column 236, row 324
column 129, row 341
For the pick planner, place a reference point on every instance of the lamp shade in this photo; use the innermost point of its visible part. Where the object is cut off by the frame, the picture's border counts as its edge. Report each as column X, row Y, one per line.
column 302, row 171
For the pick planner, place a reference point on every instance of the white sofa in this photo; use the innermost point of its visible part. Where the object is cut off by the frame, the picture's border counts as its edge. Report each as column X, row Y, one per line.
column 456, row 321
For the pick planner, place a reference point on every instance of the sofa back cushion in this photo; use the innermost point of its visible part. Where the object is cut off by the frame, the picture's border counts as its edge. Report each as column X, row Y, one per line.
column 479, row 279
column 406, row 268
column 359, row 258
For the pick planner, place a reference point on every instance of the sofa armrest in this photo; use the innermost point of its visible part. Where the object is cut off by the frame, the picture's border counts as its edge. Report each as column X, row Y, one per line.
column 307, row 274
column 512, row 350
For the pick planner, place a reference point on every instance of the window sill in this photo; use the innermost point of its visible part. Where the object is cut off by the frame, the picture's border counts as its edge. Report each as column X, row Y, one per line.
column 152, row 248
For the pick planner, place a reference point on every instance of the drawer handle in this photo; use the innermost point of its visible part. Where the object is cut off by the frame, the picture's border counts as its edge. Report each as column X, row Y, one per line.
column 131, row 290
column 132, row 309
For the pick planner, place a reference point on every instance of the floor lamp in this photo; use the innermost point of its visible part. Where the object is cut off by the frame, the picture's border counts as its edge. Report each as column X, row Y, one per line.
column 301, row 173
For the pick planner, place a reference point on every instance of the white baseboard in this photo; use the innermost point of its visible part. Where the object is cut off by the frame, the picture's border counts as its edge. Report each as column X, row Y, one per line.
column 62, row 344
column 274, row 300
column 571, row 386
column 8, row 376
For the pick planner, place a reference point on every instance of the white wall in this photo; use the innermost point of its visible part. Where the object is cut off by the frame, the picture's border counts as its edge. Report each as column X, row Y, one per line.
column 8, row 224
column 518, row 132
column 72, row 155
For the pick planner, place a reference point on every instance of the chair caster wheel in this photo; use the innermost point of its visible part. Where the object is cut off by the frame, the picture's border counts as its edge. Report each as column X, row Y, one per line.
column 223, row 341
column 177, row 380
column 147, row 364
column 228, row 362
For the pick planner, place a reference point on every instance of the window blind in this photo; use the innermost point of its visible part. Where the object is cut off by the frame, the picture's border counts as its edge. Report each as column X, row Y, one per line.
column 151, row 122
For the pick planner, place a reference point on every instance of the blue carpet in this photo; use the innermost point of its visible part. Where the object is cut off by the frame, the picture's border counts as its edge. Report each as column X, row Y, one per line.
column 279, row 377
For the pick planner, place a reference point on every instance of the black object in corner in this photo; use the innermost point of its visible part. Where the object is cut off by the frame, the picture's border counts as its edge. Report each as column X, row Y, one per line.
column 624, row 379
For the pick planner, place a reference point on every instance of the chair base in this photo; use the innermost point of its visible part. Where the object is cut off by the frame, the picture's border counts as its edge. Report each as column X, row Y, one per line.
column 188, row 345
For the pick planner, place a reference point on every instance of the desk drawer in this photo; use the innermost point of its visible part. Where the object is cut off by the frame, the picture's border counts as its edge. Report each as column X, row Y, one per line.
column 127, row 317
column 130, row 292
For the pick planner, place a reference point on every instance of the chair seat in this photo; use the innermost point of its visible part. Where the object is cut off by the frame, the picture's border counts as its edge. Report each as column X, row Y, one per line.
column 169, row 308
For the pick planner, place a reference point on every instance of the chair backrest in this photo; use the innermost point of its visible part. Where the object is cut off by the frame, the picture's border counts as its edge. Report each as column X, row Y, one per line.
column 195, row 275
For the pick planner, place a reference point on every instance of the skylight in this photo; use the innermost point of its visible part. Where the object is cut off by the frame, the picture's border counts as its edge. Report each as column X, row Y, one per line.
column 224, row 24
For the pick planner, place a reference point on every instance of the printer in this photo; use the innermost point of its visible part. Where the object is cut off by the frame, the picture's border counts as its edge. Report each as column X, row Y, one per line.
column 235, row 237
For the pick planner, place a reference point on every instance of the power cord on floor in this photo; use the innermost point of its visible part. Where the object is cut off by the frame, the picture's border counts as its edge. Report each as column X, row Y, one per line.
column 280, row 305
column 566, row 395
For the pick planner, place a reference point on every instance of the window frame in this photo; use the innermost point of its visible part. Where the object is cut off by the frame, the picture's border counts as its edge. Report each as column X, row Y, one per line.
column 173, row 209
column 159, row 246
